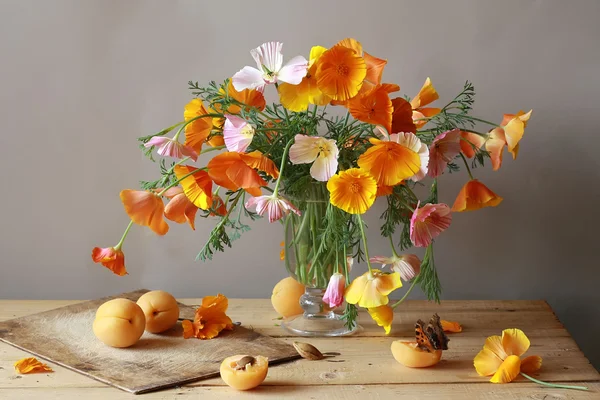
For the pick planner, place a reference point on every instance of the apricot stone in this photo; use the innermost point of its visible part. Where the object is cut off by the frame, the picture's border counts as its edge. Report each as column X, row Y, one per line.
column 119, row 323
column 410, row 355
column 243, row 372
column 286, row 297
column 161, row 310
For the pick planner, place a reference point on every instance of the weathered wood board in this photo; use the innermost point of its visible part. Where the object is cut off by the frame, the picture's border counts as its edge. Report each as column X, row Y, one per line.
column 64, row 336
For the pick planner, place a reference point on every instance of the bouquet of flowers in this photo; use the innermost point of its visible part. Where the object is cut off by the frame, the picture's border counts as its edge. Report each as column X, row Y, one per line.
column 318, row 174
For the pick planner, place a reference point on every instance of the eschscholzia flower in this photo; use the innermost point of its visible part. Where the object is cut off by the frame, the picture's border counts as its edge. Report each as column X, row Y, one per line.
column 146, row 209
column 428, row 222
column 274, row 206
column 391, row 161
column 374, row 65
column 197, row 186
column 197, row 131
column 469, row 142
column 407, row 265
column 426, row 95
column 237, row 133
column 233, row 171
column 443, row 149
column 500, row 357
column 271, row 70
column 323, row 153
column 352, row 190
column 514, row 127
column 111, row 257
column 180, row 209
column 383, row 316
column 340, row 72
column 371, row 289
column 298, row 97
column 171, row 147
column 475, row 195
column 373, row 107
column 210, row 319
column 334, row 294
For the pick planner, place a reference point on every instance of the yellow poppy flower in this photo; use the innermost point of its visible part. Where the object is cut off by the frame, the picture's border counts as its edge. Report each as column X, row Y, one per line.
column 390, row 161
column 500, row 357
column 383, row 316
column 298, row 97
column 352, row 190
column 197, row 187
column 371, row 289
column 197, row 131
column 340, row 72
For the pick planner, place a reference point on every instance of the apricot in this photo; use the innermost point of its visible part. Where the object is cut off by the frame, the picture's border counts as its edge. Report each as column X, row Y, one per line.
column 161, row 310
column 410, row 355
column 286, row 297
column 244, row 372
column 119, row 323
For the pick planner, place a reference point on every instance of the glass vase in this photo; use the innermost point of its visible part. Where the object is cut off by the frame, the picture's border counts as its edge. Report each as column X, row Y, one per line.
column 311, row 259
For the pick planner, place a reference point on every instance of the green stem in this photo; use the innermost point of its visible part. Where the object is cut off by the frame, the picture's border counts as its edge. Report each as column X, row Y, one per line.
column 412, row 285
column 208, row 150
column 480, row 120
column 393, row 247
column 120, row 244
column 404, row 203
column 282, row 166
column 467, row 165
column 554, row 385
column 364, row 239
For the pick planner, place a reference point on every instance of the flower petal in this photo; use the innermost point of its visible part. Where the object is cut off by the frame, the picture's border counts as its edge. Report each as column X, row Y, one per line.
column 293, row 71
column 402, row 117
column 475, row 195
column 426, row 95
column 248, row 78
column 508, row 370
column 268, row 55
column 197, row 131
column 304, row 150
column 531, row 364
column 146, row 209
column 111, row 258
column 451, row 326
column 389, row 162
column 387, row 283
column 375, row 68
column 515, row 342
column 197, row 186
column 383, row 316
column 324, row 168
column 352, row 190
column 486, row 362
column 470, row 142
column 31, row 365
column 340, row 73
column 237, row 133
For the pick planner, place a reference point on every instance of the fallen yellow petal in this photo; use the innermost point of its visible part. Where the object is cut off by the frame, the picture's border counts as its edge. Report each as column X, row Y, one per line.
column 451, row 326
column 31, row 365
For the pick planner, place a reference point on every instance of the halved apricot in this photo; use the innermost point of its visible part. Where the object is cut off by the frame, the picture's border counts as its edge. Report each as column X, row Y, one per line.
column 243, row 372
column 410, row 355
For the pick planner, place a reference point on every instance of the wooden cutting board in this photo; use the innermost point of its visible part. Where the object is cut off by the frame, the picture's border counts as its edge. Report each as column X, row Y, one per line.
column 64, row 336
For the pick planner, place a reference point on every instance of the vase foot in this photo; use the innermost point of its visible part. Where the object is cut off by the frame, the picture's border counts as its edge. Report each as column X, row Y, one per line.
column 328, row 324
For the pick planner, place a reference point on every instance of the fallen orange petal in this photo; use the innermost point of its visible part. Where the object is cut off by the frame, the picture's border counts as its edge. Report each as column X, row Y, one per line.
column 451, row 326
column 31, row 365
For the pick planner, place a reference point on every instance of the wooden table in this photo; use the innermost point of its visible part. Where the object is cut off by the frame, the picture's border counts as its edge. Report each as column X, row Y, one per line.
column 366, row 368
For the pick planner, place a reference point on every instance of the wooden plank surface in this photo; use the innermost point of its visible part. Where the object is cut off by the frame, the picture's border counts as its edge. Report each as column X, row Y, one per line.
column 365, row 366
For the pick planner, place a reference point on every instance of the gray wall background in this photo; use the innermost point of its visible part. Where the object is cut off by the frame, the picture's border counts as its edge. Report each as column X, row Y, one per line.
column 81, row 80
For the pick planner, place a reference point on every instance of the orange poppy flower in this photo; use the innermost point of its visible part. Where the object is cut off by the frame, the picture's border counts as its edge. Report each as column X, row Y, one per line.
column 259, row 161
column 426, row 95
column 402, row 116
column 340, row 73
column 146, row 209
column 469, row 142
column 197, row 187
column 31, row 365
column 196, row 132
column 111, row 257
column 373, row 107
column 180, row 209
column 389, row 162
column 353, row 190
column 514, row 127
column 210, row 319
column 475, row 195
column 231, row 171
column 374, row 65
column 251, row 97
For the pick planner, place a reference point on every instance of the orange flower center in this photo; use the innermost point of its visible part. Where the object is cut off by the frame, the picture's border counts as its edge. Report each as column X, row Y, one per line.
column 355, row 187
column 343, row 70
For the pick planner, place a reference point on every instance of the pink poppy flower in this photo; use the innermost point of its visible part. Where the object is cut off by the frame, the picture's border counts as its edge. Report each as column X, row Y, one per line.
column 428, row 222
column 273, row 205
column 443, row 150
column 237, row 133
column 269, row 61
column 334, row 295
column 168, row 147
column 323, row 153
column 407, row 265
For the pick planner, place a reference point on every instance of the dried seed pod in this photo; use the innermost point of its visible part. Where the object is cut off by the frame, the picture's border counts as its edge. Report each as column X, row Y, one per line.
column 308, row 351
column 242, row 362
